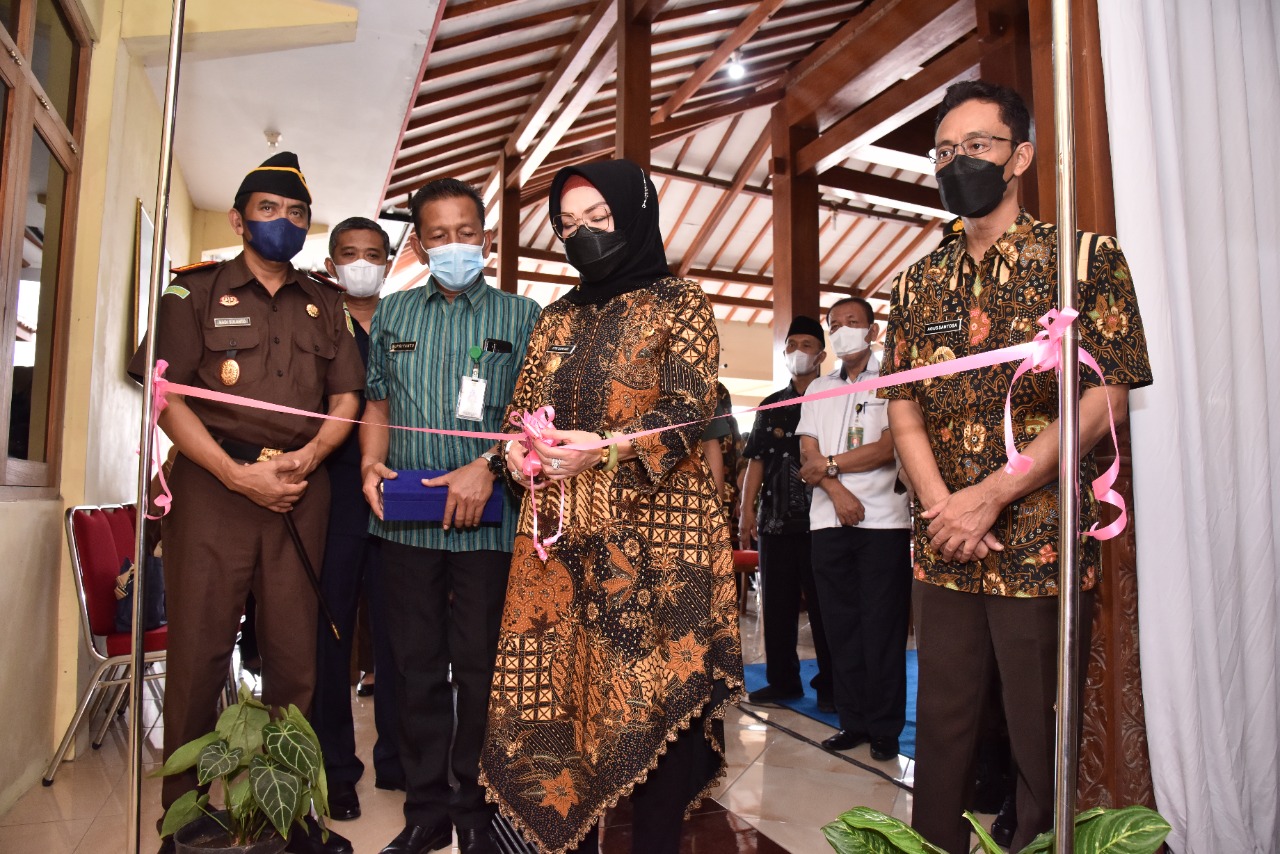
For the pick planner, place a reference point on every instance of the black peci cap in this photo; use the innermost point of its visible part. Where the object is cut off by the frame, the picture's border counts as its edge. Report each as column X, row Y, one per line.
column 802, row 325
column 279, row 175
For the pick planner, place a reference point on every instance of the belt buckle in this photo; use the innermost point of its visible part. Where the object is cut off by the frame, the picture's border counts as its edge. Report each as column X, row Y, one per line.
column 268, row 454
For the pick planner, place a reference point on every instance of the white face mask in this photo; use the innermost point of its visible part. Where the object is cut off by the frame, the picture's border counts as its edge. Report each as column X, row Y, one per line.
column 361, row 278
column 799, row 362
column 847, row 341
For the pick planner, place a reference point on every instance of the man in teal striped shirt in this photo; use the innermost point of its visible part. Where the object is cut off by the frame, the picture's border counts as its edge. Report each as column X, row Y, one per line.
column 444, row 356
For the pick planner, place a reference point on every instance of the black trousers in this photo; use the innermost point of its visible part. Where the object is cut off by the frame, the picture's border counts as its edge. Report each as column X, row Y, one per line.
column 352, row 563
column 443, row 614
column 864, row 584
column 658, row 804
column 786, row 570
column 963, row 640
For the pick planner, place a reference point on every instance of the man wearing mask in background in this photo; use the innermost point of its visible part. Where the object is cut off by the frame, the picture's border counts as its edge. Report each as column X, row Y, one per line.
column 359, row 258
column 861, row 539
column 986, row 540
column 781, row 525
column 444, row 356
column 257, row 327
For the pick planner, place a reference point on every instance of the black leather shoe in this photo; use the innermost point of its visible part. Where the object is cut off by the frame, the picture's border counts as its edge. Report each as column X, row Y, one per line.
column 344, row 803
column 309, row 842
column 845, row 740
column 884, row 749
column 417, row 839
column 1006, row 823
column 769, row 694
column 477, row 840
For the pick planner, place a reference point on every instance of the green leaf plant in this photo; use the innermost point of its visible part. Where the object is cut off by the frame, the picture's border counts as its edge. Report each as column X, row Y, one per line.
column 1126, row 830
column 271, row 770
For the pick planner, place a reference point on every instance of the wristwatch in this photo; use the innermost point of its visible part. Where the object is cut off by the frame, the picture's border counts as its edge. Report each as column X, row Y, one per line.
column 494, row 461
column 833, row 470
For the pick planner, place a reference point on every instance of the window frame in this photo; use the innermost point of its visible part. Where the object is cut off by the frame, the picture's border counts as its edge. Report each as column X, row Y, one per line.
column 28, row 110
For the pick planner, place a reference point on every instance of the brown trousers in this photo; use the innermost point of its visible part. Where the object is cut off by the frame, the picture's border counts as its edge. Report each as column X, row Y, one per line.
column 219, row 546
column 963, row 640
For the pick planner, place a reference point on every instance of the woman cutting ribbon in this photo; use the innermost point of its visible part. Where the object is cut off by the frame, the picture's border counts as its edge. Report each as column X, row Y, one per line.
column 620, row 651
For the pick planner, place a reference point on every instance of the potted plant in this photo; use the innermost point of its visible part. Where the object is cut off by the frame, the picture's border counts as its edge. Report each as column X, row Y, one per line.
column 272, row 775
column 1126, row 830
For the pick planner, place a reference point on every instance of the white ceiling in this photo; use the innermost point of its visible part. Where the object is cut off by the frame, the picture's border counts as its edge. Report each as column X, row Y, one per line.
column 340, row 107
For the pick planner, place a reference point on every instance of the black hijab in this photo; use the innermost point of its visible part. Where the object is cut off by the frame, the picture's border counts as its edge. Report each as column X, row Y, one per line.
column 633, row 201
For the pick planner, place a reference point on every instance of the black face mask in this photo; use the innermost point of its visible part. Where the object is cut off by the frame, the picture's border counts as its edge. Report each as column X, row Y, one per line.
column 595, row 254
column 970, row 187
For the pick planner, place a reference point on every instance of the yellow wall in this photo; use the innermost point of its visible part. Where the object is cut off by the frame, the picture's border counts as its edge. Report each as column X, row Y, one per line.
column 40, row 631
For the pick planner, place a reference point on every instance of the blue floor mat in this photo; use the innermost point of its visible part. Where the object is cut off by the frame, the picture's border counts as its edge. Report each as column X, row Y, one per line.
column 808, row 705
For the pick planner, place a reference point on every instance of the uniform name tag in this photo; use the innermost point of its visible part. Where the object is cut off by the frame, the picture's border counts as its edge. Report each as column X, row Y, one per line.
column 942, row 327
column 562, row 349
column 232, row 321
column 404, row 346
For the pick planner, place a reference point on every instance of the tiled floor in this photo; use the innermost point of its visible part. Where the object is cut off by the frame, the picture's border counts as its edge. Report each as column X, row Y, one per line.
column 782, row 786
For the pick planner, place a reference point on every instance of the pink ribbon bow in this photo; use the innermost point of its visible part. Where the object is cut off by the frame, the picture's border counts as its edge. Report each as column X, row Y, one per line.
column 534, row 425
column 1045, row 356
column 159, row 388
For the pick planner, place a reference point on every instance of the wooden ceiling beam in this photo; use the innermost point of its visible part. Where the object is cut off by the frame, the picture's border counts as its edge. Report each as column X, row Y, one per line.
column 739, row 36
column 452, row 168
column 887, row 41
column 472, row 7
column 645, row 11
column 868, row 184
column 576, row 58
column 600, row 70
column 712, row 222
column 722, row 109
column 425, row 100
column 504, row 30
column 494, row 57
column 892, row 108
column 909, row 252
column 432, row 132
column 457, row 146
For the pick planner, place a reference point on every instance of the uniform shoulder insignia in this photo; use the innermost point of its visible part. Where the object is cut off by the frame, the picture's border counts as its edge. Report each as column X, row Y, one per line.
column 191, row 268
column 325, row 280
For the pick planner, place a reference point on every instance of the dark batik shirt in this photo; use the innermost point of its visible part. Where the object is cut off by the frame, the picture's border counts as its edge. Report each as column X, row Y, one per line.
column 946, row 306
column 783, row 506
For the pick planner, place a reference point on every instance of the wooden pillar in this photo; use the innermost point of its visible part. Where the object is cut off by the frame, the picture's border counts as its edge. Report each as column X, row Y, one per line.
column 796, row 270
column 634, row 89
column 509, row 224
column 1114, row 765
column 1009, row 64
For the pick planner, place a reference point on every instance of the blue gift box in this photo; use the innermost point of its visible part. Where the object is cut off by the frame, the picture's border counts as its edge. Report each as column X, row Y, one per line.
column 405, row 499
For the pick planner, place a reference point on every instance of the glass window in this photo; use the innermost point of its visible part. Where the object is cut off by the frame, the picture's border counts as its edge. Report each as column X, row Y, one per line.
column 37, row 288
column 53, row 57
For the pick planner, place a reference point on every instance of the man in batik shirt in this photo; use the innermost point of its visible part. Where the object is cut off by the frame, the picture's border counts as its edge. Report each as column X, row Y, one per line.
column 986, row 562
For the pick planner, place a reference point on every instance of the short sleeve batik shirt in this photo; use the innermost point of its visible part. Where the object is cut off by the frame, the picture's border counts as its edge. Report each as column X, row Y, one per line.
column 947, row 306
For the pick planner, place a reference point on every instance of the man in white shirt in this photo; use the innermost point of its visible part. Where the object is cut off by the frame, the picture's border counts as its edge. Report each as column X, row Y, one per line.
column 860, row 526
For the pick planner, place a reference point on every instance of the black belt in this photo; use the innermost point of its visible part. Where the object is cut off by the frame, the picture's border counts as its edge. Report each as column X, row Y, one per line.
column 247, row 453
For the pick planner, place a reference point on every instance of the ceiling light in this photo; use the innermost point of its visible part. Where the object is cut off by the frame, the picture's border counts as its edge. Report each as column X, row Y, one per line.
column 735, row 67
column 273, row 138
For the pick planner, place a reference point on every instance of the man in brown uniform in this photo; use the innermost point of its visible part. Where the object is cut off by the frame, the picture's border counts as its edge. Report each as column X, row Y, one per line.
column 256, row 327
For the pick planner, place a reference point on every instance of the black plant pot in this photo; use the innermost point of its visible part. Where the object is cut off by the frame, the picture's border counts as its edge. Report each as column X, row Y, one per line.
column 205, row 836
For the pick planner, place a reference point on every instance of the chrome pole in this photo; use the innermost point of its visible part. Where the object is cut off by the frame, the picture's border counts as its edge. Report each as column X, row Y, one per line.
column 1068, row 438
column 159, row 274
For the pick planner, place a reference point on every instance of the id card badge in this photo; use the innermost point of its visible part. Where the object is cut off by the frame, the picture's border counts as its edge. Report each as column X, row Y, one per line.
column 855, row 432
column 471, row 399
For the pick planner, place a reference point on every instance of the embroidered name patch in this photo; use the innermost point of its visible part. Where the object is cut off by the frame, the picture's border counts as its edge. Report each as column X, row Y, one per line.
column 404, row 346
column 232, row 321
column 942, row 327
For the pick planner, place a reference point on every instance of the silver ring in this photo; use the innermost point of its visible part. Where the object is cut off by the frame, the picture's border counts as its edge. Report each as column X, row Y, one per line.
column 555, row 464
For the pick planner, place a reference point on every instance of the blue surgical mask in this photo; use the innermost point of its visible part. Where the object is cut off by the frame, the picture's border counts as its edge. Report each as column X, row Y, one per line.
column 275, row 239
column 456, row 266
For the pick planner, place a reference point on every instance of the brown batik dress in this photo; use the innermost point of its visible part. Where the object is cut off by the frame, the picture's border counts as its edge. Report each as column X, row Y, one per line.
column 613, row 645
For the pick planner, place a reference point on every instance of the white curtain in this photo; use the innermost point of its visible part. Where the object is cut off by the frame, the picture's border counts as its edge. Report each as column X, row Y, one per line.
column 1193, row 106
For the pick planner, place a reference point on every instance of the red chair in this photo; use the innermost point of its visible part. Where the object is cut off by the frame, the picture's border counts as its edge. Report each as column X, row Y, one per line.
column 745, row 563
column 100, row 538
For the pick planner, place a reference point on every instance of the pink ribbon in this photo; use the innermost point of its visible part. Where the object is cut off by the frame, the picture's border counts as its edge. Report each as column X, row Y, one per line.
column 1039, row 354
column 1046, row 356
column 534, row 425
column 158, row 403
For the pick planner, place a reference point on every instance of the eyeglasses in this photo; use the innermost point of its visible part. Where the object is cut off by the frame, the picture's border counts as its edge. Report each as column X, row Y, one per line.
column 595, row 219
column 973, row 146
